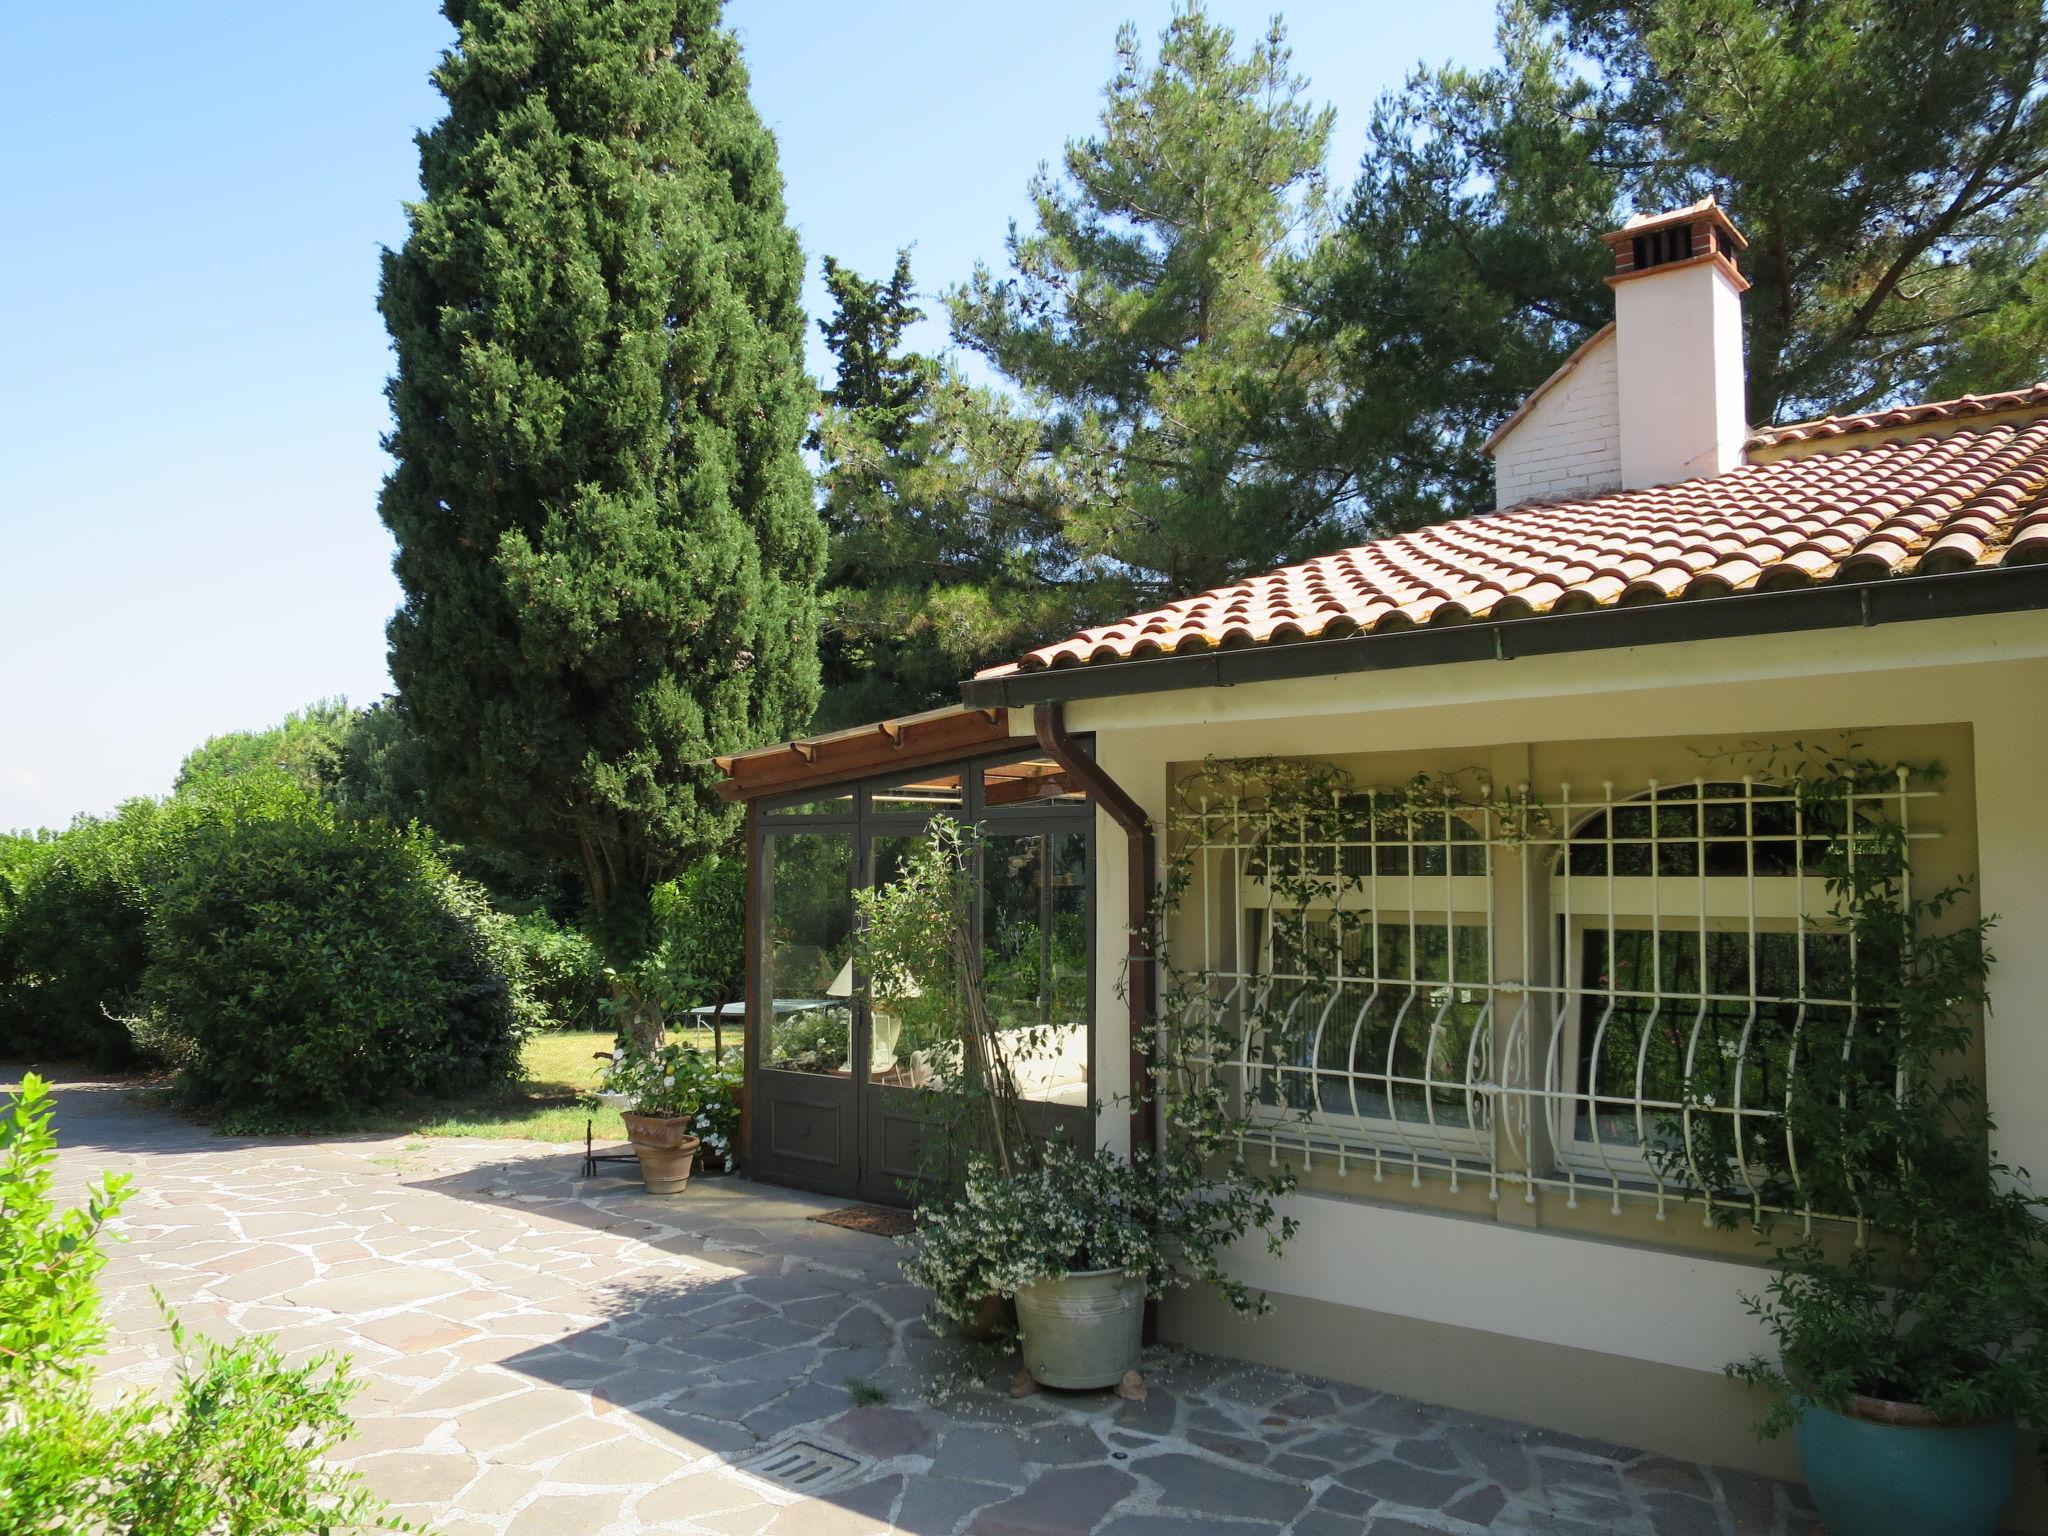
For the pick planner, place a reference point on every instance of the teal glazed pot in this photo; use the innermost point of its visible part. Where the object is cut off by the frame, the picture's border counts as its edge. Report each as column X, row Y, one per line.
column 1892, row 1469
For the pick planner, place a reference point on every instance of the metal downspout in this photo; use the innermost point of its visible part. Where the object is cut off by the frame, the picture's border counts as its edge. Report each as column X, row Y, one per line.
column 1049, row 721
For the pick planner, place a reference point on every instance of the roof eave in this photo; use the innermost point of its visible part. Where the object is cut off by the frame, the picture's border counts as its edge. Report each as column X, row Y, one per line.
column 1836, row 605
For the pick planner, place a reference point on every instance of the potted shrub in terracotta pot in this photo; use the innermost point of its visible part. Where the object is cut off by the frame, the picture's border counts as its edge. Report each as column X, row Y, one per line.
column 664, row 1092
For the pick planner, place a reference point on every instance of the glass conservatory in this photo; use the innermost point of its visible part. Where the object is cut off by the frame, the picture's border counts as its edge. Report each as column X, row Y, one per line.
column 834, row 1085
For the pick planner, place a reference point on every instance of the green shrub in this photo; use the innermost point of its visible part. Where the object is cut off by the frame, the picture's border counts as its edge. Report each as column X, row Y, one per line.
column 74, row 940
column 306, row 747
column 561, row 970
column 72, row 937
column 239, row 1445
column 316, row 965
column 701, row 924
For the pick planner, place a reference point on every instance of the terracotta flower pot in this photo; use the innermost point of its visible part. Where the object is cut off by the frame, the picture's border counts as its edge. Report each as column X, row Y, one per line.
column 993, row 1313
column 667, row 1151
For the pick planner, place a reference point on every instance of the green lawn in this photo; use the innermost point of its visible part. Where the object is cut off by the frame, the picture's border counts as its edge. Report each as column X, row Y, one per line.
column 545, row 1105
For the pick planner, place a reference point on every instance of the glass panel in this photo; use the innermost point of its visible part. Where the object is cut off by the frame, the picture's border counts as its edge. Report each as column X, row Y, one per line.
column 808, row 886
column 1371, row 1019
column 1036, row 781
column 1653, row 1039
column 905, row 1041
column 935, row 791
column 1034, row 958
column 1741, row 829
column 822, row 805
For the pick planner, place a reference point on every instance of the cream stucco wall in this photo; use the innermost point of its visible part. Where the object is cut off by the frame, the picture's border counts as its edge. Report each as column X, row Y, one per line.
column 1626, row 1298
column 1678, row 374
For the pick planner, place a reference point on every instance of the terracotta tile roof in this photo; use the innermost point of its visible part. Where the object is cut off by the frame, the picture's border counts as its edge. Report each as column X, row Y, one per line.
column 1920, row 505
column 1902, row 416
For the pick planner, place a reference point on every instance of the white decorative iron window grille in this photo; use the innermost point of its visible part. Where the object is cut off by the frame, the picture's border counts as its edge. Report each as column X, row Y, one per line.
column 1673, row 953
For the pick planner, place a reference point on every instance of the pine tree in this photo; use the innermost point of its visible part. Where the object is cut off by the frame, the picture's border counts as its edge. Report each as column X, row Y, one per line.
column 943, row 555
column 606, row 538
column 1887, row 159
column 1144, row 320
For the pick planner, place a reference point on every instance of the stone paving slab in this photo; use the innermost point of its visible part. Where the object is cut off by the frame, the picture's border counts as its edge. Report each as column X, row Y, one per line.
column 548, row 1356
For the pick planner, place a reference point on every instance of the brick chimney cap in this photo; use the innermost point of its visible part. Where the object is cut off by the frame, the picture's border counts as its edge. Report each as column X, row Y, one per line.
column 1708, row 207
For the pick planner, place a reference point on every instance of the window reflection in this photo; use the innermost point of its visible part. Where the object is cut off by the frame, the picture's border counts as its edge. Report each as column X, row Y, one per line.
column 1035, row 959
column 908, row 1039
column 1035, row 781
column 808, row 888
column 932, row 792
column 821, row 805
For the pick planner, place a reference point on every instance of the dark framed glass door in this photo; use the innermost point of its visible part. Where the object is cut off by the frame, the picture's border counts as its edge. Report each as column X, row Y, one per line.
column 841, row 1092
column 803, row 1101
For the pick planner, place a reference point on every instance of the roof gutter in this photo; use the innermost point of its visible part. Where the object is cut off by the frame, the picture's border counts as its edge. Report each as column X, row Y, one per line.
column 1141, row 887
column 2004, row 589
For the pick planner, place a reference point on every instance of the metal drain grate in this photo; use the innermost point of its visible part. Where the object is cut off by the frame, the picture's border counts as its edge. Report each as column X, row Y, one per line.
column 803, row 1467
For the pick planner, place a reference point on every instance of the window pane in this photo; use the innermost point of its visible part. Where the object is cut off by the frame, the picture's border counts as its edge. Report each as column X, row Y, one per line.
column 821, row 805
column 1034, row 959
column 915, row 1039
column 1036, row 781
column 1740, row 829
column 1656, row 1038
column 808, row 886
column 934, row 791
column 1372, row 1020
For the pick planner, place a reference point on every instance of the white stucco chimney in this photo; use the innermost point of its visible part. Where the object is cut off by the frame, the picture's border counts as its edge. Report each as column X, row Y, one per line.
column 1658, row 395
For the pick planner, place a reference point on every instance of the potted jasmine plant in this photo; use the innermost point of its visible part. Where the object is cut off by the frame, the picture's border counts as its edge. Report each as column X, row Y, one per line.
column 664, row 1092
column 1077, row 1240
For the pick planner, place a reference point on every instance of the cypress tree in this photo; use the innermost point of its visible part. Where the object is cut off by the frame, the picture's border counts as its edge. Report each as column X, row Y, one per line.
column 606, row 537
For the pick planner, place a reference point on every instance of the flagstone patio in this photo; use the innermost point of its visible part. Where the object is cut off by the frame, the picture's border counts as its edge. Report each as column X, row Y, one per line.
column 549, row 1356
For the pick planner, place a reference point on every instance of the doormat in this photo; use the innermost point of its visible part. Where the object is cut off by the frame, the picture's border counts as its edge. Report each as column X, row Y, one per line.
column 882, row 1220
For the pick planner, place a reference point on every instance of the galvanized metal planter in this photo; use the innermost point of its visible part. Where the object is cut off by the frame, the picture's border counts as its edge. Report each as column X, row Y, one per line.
column 1082, row 1330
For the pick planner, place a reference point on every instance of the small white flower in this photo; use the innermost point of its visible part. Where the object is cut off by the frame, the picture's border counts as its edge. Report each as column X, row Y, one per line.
column 669, row 1081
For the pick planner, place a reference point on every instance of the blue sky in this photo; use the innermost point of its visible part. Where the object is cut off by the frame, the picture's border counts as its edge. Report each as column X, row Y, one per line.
column 192, row 372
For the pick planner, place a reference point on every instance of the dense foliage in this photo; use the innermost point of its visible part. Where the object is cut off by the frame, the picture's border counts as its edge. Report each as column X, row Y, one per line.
column 1144, row 323
column 1887, row 159
column 308, row 746
column 240, row 1443
column 607, row 542
column 938, row 566
column 560, row 969
column 72, row 940
column 313, row 964
column 290, row 961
